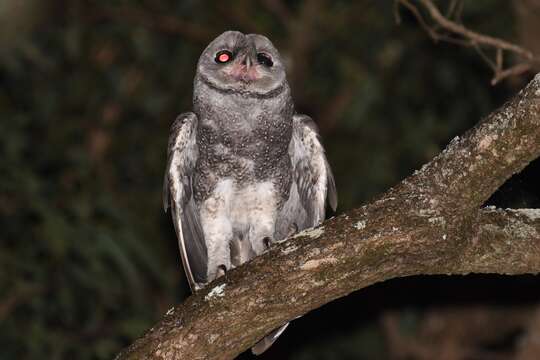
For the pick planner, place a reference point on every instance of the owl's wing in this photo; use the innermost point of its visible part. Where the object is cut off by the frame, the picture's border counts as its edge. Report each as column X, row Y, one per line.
column 182, row 155
column 312, row 174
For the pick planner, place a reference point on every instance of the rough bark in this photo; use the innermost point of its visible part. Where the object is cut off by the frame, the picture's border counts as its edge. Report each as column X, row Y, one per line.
column 431, row 223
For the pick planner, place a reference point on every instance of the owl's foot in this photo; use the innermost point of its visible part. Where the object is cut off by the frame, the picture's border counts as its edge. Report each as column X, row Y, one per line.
column 267, row 242
column 221, row 271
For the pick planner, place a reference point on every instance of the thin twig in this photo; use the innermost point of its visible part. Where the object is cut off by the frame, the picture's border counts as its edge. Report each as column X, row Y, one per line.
column 511, row 71
column 474, row 36
column 486, row 58
column 444, row 29
column 420, row 19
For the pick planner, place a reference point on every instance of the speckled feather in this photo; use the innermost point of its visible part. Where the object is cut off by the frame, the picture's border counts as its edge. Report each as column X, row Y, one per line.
column 243, row 169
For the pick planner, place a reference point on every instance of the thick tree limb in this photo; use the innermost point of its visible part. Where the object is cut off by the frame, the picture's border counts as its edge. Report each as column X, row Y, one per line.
column 429, row 224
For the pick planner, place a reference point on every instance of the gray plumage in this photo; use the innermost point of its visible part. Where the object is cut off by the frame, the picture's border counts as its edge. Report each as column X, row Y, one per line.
column 243, row 169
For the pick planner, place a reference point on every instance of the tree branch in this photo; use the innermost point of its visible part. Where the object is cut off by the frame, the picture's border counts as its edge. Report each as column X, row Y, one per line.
column 476, row 164
column 467, row 37
column 428, row 224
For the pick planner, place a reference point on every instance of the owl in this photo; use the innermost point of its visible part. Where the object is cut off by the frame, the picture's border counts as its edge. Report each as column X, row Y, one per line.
column 244, row 169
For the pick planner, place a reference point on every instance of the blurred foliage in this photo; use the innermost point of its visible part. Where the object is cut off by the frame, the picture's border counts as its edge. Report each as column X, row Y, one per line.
column 88, row 90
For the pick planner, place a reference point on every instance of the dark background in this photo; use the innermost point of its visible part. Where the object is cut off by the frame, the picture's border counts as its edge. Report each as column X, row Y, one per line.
column 88, row 90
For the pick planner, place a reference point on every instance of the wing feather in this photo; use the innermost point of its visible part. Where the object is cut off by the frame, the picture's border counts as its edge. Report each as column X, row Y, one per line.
column 312, row 173
column 178, row 195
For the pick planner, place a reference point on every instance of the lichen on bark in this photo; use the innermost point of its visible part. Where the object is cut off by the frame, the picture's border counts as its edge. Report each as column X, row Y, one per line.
column 431, row 223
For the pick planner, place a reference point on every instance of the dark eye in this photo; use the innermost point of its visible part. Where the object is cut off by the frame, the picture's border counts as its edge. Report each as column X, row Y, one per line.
column 223, row 56
column 264, row 59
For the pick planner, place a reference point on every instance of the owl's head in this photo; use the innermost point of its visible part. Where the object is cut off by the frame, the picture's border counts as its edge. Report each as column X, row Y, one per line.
column 243, row 63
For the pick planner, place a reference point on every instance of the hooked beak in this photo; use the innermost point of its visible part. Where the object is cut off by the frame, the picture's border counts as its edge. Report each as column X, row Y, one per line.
column 244, row 69
column 247, row 62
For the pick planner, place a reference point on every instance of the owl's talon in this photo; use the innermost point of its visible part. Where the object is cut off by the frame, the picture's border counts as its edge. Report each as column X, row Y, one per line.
column 267, row 242
column 221, row 271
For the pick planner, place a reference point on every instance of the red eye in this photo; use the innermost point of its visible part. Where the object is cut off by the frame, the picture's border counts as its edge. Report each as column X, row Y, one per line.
column 223, row 56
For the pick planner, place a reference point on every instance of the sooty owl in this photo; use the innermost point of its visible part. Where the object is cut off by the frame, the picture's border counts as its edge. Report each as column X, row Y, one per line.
column 244, row 170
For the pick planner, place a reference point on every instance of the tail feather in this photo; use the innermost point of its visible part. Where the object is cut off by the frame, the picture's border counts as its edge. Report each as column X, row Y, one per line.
column 268, row 340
